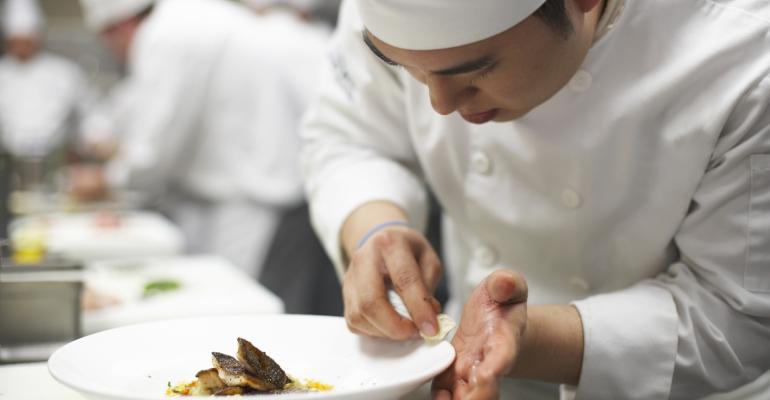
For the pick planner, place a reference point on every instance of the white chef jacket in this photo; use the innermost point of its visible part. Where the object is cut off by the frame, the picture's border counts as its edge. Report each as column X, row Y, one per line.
column 640, row 191
column 210, row 117
column 38, row 98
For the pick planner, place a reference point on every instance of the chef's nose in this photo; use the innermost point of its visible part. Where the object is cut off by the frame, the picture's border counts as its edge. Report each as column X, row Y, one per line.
column 445, row 96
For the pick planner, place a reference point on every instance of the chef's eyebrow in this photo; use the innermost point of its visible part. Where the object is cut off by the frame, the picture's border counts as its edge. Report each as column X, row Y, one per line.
column 469, row 66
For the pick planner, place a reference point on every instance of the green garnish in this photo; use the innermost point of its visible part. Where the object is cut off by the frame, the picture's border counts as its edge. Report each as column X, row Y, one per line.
column 159, row 286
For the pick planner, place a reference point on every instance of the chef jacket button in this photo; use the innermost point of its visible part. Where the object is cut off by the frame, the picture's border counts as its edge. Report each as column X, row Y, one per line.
column 485, row 256
column 581, row 81
column 579, row 284
column 571, row 199
column 481, row 163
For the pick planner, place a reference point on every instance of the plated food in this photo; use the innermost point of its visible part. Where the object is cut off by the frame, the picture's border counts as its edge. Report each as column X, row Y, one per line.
column 252, row 372
column 138, row 362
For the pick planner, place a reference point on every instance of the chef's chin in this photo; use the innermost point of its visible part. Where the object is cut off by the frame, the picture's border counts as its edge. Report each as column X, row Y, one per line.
column 510, row 115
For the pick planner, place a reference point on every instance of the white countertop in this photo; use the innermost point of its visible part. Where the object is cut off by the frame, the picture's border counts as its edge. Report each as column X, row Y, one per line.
column 98, row 235
column 208, row 285
column 32, row 381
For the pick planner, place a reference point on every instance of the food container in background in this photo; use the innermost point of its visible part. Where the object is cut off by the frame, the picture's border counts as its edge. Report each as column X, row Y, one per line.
column 39, row 308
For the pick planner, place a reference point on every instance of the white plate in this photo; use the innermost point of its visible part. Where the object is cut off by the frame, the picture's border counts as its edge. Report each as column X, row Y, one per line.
column 137, row 362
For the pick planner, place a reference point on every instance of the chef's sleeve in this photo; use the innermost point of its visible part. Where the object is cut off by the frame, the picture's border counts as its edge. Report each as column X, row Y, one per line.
column 703, row 326
column 356, row 147
column 164, row 101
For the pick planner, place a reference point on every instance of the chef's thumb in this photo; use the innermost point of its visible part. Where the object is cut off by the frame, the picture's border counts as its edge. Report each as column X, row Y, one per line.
column 507, row 287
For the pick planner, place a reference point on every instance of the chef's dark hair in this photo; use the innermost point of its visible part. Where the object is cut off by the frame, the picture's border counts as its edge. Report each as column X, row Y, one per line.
column 554, row 13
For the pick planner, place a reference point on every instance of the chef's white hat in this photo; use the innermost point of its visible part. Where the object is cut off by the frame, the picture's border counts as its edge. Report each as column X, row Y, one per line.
column 100, row 14
column 440, row 24
column 299, row 4
column 22, row 18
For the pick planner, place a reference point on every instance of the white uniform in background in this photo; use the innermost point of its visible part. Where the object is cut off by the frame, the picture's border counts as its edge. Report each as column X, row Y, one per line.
column 210, row 119
column 38, row 97
column 640, row 191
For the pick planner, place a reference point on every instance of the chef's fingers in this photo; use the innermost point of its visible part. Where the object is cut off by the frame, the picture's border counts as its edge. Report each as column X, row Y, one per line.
column 362, row 281
column 381, row 315
column 463, row 365
column 442, row 395
column 482, row 385
column 356, row 321
column 362, row 328
column 378, row 319
column 507, row 287
column 430, row 265
column 366, row 303
column 487, row 392
column 461, row 389
column 436, row 305
column 444, row 382
column 407, row 279
column 498, row 359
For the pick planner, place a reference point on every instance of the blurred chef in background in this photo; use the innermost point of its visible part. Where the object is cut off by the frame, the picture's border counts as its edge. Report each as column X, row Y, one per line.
column 42, row 95
column 209, row 116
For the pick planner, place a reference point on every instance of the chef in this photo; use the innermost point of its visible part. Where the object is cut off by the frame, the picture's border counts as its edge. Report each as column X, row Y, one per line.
column 41, row 94
column 604, row 170
column 209, row 115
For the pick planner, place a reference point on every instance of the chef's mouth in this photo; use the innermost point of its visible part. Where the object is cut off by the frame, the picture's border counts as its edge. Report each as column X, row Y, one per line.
column 482, row 117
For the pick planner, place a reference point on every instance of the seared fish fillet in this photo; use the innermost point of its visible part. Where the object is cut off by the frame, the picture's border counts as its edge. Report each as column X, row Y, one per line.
column 208, row 381
column 261, row 365
column 232, row 373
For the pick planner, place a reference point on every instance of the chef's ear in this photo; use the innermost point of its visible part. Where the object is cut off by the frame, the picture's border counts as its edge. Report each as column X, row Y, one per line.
column 587, row 5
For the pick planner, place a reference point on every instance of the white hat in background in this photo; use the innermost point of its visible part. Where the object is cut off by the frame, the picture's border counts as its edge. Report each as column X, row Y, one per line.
column 22, row 18
column 100, row 14
column 441, row 24
column 303, row 5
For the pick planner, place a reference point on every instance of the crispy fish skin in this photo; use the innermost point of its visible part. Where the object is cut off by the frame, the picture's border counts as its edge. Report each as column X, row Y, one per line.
column 233, row 373
column 261, row 365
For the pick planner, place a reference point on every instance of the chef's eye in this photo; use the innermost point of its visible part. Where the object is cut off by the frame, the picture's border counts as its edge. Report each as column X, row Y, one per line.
column 484, row 73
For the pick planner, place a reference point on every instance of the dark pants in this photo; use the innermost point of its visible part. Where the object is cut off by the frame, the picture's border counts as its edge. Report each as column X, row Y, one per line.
column 298, row 270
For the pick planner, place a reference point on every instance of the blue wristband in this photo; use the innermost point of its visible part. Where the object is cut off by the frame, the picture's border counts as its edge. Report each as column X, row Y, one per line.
column 377, row 228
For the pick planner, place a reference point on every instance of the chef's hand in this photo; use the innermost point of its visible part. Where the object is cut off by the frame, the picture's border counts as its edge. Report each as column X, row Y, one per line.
column 488, row 340
column 394, row 255
column 87, row 182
